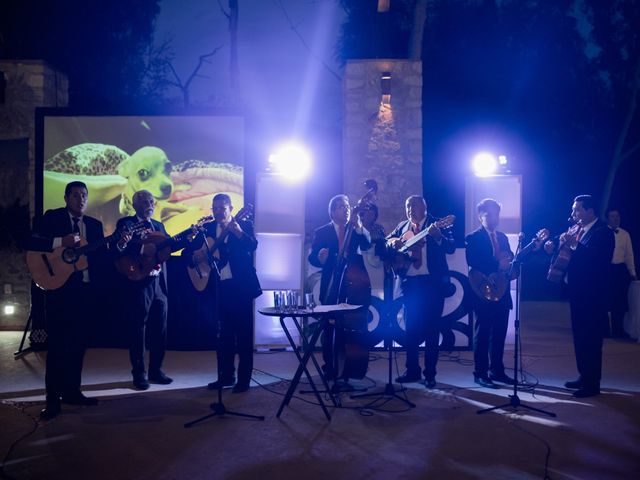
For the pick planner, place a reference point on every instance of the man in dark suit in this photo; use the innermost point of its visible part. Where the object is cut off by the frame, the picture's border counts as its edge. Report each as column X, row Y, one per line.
column 424, row 287
column 592, row 249
column 146, row 304
column 68, row 309
column 488, row 252
column 234, row 288
column 328, row 242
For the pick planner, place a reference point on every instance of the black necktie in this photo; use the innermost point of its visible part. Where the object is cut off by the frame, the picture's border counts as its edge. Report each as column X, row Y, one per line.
column 616, row 230
column 76, row 227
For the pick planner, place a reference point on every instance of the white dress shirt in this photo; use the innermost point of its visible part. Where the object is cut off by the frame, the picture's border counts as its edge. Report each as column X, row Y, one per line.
column 623, row 253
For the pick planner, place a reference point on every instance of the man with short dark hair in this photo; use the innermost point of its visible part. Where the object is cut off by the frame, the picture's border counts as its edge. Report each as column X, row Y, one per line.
column 235, row 289
column 328, row 242
column 592, row 248
column 622, row 272
column 423, row 287
column 489, row 253
column 68, row 308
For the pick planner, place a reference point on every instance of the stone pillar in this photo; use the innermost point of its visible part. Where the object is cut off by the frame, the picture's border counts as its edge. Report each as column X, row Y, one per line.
column 28, row 84
column 383, row 140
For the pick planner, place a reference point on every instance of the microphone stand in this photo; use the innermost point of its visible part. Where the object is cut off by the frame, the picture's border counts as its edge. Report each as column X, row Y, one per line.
column 218, row 407
column 514, row 400
column 390, row 389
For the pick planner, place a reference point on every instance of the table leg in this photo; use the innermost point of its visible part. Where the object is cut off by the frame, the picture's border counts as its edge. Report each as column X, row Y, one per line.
column 302, row 368
column 306, row 346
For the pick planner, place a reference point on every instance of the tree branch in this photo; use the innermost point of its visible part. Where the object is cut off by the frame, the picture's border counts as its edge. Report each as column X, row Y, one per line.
column 304, row 43
column 224, row 12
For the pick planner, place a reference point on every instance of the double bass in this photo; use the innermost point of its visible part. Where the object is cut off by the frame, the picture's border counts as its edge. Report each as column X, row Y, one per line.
column 349, row 283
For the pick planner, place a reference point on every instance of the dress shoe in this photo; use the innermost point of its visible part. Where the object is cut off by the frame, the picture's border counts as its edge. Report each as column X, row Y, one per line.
column 430, row 383
column 408, row 377
column 52, row 410
column 240, row 387
column 158, row 376
column 78, row 398
column 502, row 378
column 586, row 392
column 573, row 384
column 224, row 383
column 140, row 382
column 485, row 382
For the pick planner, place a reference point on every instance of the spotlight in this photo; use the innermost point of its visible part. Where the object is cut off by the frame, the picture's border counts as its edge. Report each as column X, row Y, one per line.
column 292, row 161
column 502, row 160
column 485, row 164
column 9, row 309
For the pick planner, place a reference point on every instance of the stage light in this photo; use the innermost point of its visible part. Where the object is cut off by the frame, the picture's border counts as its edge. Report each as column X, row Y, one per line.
column 485, row 164
column 292, row 161
column 9, row 309
column 502, row 160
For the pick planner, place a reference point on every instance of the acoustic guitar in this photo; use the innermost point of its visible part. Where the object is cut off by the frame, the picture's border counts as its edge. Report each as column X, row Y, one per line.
column 492, row 287
column 155, row 249
column 402, row 258
column 560, row 263
column 51, row 270
column 202, row 260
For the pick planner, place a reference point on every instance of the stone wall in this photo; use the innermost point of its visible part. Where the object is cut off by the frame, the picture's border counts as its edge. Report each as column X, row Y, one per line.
column 29, row 84
column 383, row 141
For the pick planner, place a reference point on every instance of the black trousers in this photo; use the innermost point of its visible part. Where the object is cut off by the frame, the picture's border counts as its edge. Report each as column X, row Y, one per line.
column 588, row 323
column 423, row 304
column 146, row 318
column 489, row 335
column 68, row 312
column 619, row 280
column 235, row 334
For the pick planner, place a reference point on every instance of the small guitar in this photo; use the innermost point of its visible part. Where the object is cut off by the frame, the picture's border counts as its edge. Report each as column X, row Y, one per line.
column 402, row 259
column 561, row 261
column 155, row 248
column 492, row 287
column 201, row 262
column 51, row 270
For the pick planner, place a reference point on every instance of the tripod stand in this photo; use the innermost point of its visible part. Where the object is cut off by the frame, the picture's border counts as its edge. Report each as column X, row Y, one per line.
column 390, row 389
column 514, row 400
column 218, row 407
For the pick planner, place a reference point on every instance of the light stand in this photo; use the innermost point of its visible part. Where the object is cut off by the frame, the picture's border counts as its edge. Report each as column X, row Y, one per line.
column 218, row 407
column 515, row 402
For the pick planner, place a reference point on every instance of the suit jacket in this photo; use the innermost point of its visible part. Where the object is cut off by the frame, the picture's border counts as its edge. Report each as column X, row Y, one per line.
column 56, row 223
column 326, row 237
column 239, row 254
column 480, row 257
column 588, row 268
column 133, row 247
column 436, row 254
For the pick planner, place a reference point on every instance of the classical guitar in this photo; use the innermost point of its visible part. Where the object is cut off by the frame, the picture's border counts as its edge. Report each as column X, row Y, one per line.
column 200, row 264
column 155, row 248
column 560, row 263
column 51, row 270
column 492, row 287
column 402, row 258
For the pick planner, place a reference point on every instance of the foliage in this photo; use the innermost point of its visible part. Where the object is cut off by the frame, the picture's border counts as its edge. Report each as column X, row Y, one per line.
column 104, row 47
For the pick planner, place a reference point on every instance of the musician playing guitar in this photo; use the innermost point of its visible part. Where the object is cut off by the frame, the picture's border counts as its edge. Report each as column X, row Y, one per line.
column 423, row 287
column 328, row 242
column 145, row 300
column 235, row 288
column 69, row 307
column 488, row 252
column 591, row 245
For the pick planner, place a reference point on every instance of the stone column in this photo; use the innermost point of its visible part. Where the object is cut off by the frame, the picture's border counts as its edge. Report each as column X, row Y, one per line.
column 383, row 139
column 28, row 84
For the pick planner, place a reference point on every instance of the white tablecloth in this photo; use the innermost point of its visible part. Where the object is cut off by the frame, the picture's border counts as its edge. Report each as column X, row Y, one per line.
column 632, row 318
